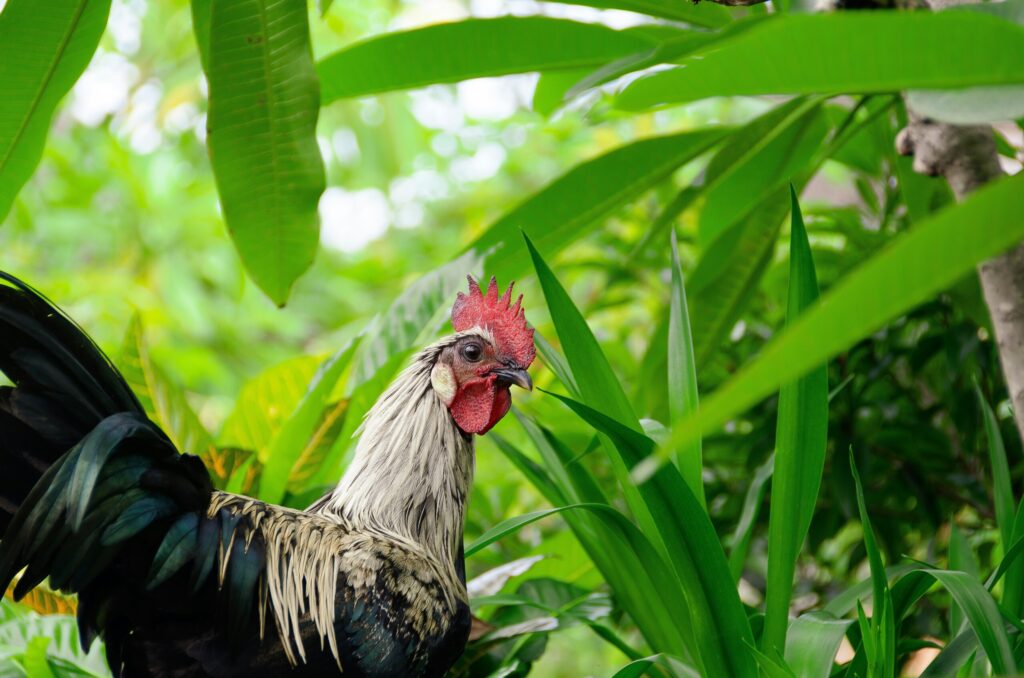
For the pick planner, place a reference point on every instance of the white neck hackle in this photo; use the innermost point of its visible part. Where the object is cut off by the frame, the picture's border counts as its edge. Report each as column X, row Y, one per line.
column 413, row 467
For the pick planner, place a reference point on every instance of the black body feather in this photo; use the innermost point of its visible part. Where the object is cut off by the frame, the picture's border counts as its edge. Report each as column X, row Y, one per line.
column 96, row 498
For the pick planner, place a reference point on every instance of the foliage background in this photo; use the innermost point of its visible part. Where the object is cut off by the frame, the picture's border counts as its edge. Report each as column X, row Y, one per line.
column 121, row 221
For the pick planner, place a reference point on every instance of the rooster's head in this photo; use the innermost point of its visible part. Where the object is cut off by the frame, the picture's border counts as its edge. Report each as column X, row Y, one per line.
column 492, row 350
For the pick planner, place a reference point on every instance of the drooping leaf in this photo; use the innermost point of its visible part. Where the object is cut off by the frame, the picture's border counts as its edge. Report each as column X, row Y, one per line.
column 779, row 56
column 486, row 47
column 800, row 441
column 44, row 48
column 264, row 102
column 812, row 642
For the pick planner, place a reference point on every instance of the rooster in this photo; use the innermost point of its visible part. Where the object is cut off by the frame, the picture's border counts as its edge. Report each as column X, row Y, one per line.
column 180, row 579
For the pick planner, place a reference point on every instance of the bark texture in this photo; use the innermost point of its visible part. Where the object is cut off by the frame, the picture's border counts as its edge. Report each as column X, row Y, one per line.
column 966, row 156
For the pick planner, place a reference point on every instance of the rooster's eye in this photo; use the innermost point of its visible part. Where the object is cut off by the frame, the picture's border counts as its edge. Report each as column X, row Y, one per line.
column 472, row 352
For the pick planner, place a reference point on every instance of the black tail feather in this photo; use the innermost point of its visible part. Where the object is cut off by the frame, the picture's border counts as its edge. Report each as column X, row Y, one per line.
column 63, row 387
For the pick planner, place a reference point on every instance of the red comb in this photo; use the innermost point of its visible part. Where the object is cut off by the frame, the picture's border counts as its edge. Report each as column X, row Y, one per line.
column 505, row 320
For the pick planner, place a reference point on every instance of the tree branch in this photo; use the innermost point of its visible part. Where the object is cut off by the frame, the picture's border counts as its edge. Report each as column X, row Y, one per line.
column 966, row 156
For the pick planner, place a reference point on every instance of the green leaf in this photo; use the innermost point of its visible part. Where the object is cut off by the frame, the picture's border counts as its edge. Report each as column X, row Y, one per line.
column 982, row 612
column 781, row 55
column 703, row 14
column 971, row 106
column 163, row 401
column 568, row 207
column 909, row 270
column 766, row 154
column 658, row 665
column 800, row 440
column 44, row 48
column 720, row 623
column 486, row 47
column 264, row 403
column 597, row 383
column 618, row 549
column 295, row 433
column 516, row 523
column 264, row 102
column 740, row 540
column 963, row 559
column 812, row 642
column 682, row 378
column 1004, row 502
column 879, row 636
column 729, row 271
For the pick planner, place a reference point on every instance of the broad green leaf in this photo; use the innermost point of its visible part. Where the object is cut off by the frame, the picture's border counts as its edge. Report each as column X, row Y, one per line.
column 44, row 48
column 264, row 102
column 486, row 47
column 975, row 105
column 296, row 432
column 909, row 270
column 812, row 643
column 971, row 106
column 682, row 377
column 782, row 55
column 703, row 14
column 720, row 623
column 318, row 447
column 800, row 440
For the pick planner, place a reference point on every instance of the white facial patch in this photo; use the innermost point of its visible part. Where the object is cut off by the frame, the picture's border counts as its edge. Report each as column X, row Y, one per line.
column 443, row 380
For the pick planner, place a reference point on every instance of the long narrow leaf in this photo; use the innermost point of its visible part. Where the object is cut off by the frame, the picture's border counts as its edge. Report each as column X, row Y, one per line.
column 694, row 549
column 780, row 56
column 486, row 47
column 911, row 269
column 682, row 377
column 799, row 450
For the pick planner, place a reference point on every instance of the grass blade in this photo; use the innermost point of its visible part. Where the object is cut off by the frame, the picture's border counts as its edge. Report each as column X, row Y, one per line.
column 682, row 378
column 800, row 441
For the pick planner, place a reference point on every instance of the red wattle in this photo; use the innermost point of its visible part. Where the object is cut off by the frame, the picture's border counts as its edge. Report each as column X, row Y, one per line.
column 480, row 404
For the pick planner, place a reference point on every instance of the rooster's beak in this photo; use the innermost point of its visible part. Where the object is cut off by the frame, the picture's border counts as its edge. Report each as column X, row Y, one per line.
column 516, row 376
